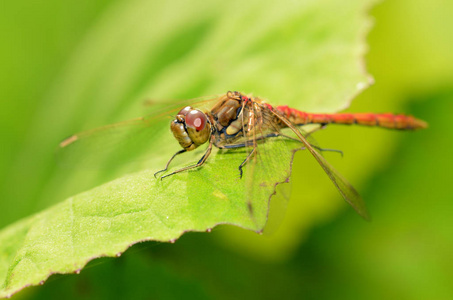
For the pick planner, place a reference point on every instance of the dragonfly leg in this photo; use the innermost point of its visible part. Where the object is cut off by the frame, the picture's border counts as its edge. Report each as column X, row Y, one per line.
column 314, row 146
column 276, row 134
column 248, row 142
column 246, row 160
column 199, row 163
column 328, row 150
column 168, row 163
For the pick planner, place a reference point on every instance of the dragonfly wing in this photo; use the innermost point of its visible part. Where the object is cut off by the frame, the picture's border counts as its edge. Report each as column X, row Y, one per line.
column 118, row 142
column 264, row 177
column 344, row 187
column 132, row 141
column 348, row 192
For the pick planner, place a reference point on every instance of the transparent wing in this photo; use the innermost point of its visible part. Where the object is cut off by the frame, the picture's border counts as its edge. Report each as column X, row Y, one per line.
column 267, row 172
column 126, row 141
column 348, row 192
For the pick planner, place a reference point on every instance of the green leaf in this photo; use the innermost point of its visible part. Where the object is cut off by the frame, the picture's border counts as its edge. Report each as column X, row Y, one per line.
column 304, row 54
column 105, row 221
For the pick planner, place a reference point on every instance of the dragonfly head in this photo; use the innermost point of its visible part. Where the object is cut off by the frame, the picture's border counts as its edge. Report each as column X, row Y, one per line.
column 191, row 128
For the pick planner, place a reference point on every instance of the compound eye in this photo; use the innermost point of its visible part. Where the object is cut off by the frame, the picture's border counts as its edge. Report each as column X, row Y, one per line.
column 185, row 110
column 196, row 119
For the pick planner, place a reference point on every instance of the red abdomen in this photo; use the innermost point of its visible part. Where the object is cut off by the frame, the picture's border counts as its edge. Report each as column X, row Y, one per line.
column 386, row 120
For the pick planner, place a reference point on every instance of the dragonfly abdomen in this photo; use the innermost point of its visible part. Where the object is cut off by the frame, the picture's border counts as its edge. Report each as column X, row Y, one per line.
column 386, row 120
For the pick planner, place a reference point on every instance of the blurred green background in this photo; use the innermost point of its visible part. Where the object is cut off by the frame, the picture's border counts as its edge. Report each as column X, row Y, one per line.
column 322, row 249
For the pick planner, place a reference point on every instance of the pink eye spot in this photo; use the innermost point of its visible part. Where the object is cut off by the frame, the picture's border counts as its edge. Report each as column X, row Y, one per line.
column 196, row 119
column 197, row 122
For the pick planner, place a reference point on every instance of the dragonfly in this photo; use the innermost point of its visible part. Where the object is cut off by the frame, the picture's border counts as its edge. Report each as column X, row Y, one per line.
column 236, row 120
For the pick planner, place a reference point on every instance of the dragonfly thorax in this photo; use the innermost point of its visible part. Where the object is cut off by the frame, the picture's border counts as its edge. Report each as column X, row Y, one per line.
column 191, row 128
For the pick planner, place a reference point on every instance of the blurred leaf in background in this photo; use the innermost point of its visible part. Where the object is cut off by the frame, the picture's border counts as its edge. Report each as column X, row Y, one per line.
column 54, row 60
